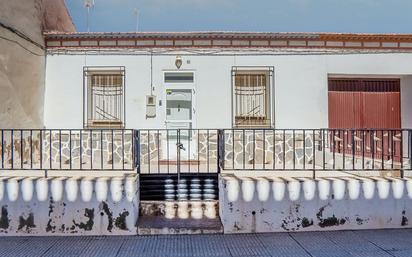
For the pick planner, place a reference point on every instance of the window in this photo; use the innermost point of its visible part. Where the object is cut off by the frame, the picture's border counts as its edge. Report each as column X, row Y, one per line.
column 252, row 97
column 179, row 77
column 104, row 97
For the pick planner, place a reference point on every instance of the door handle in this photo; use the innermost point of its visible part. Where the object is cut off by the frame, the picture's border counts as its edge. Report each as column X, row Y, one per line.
column 180, row 146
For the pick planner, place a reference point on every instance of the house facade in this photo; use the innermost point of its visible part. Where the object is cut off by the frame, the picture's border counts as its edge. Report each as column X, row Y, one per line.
column 215, row 132
column 227, row 80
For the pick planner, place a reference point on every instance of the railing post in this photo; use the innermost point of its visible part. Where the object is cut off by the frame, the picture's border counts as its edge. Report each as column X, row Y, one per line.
column 221, row 150
column 410, row 149
column 323, row 148
column 136, row 143
column 178, row 148
column 2, row 149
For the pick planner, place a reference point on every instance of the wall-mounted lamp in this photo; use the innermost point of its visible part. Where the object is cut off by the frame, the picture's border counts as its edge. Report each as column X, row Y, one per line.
column 178, row 61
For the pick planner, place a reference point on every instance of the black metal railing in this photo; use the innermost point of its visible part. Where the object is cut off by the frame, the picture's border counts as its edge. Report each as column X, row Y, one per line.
column 175, row 151
column 316, row 149
column 67, row 149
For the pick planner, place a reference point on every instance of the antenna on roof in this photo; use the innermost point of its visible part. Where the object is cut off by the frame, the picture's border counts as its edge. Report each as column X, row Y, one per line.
column 136, row 13
column 88, row 4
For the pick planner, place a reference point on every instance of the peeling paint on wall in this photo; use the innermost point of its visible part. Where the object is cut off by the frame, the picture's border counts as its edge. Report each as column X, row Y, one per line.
column 105, row 210
column 27, row 223
column 306, row 222
column 329, row 221
column 121, row 220
column 404, row 219
column 88, row 225
column 290, row 210
column 4, row 218
column 48, row 215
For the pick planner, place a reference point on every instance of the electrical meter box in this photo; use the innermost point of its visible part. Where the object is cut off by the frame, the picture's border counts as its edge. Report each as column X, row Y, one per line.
column 150, row 106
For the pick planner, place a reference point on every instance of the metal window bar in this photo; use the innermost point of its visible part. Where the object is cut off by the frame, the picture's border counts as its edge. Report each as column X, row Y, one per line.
column 123, row 149
column 233, row 149
column 207, row 157
column 251, row 97
column 274, row 149
column 264, row 149
column 2, row 149
column 21, row 149
column 12, row 149
column 198, row 156
column 112, row 149
column 103, row 97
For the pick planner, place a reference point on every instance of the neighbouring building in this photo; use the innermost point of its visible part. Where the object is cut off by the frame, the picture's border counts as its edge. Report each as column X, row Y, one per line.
column 23, row 58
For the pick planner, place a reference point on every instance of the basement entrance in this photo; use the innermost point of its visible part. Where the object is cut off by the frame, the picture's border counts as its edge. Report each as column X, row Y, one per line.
column 179, row 181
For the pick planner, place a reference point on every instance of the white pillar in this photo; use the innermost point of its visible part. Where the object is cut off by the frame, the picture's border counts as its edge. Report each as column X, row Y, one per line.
column 279, row 189
column 27, row 189
column 71, row 189
column 42, row 189
column 86, row 189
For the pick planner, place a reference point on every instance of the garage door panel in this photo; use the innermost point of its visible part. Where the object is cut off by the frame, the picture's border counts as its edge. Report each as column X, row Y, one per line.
column 374, row 110
column 358, row 120
column 366, row 103
column 340, row 117
column 394, row 110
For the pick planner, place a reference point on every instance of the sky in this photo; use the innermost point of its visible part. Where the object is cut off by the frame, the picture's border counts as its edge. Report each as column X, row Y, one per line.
column 358, row 16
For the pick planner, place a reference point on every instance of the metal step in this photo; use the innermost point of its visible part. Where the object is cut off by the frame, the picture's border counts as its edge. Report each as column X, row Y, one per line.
column 158, row 187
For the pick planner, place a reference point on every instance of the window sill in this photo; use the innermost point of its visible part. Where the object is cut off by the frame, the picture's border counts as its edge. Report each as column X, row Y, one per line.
column 104, row 124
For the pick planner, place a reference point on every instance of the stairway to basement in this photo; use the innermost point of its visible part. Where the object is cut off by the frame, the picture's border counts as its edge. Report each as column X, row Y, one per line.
column 169, row 205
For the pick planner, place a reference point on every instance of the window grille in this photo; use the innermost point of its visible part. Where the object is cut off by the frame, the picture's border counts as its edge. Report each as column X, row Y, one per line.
column 105, row 98
column 252, row 107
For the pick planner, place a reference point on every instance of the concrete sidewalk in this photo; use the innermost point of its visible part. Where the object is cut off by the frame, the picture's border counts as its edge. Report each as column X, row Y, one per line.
column 343, row 243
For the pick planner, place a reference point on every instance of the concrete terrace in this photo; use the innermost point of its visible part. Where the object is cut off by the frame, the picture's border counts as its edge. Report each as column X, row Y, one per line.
column 363, row 243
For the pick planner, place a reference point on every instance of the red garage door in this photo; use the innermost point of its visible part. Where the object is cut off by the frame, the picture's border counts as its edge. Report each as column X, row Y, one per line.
column 362, row 104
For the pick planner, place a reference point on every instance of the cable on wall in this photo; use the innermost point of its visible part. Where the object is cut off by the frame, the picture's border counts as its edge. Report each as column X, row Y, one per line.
column 25, row 48
column 151, row 72
column 221, row 52
column 23, row 36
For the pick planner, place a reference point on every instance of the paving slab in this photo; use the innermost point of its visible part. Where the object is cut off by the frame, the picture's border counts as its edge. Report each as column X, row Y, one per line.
column 372, row 243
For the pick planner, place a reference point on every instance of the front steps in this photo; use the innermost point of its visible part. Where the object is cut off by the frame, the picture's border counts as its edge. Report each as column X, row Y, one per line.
column 179, row 205
column 187, row 187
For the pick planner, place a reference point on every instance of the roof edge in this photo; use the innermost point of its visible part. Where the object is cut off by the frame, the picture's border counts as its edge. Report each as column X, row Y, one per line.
column 227, row 34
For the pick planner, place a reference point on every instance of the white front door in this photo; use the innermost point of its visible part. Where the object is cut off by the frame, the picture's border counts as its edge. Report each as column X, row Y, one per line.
column 179, row 122
column 179, row 108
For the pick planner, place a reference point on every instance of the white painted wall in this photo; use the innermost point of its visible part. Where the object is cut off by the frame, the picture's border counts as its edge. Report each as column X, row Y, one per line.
column 273, row 204
column 300, row 85
column 406, row 101
column 86, row 205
